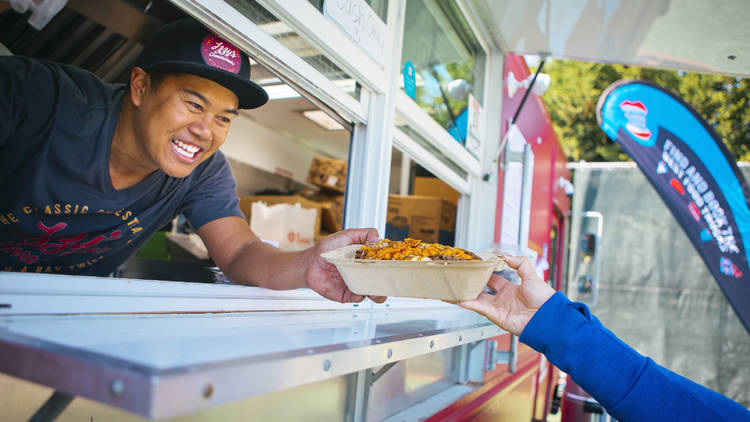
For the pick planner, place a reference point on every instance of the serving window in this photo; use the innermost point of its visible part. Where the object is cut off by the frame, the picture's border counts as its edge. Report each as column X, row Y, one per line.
column 329, row 100
column 289, row 151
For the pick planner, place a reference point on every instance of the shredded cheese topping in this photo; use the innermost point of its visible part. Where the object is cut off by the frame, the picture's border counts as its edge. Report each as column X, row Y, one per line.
column 413, row 250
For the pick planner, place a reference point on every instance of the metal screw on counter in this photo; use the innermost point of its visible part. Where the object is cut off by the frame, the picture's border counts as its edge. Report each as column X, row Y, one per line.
column 117, row 388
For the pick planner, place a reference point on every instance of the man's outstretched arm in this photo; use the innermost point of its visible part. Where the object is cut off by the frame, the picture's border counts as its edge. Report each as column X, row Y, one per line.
column 244, row 259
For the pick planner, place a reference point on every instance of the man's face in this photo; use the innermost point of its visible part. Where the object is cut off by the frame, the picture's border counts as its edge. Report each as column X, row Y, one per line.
column 182, row 121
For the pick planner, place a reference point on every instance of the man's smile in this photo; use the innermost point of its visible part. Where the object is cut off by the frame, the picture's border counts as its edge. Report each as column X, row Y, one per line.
column 186, row 151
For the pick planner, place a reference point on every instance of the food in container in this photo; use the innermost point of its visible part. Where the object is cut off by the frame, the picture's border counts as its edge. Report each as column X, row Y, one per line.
column 446, row 279
column 413, row 250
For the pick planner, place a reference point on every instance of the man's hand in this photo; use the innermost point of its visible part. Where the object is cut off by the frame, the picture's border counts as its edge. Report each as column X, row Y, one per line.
column 247, row 260
column 324, row 278
column 513, row 305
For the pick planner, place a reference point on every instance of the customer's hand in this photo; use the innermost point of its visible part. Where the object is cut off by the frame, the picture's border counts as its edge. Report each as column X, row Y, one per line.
column 513, row 305
column 324, row 278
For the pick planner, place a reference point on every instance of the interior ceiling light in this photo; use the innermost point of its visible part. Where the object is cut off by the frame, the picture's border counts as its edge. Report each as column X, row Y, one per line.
column 280, row 91
column 268, row 81
column 322, row 119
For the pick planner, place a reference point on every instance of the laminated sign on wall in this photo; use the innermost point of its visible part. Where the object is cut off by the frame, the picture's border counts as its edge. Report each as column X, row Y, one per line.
column 512, row 206
column 361, row 23
column 475, row 127
column 292, row 226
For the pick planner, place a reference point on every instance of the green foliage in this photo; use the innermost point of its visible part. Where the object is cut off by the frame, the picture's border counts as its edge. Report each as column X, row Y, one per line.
column 576, row 87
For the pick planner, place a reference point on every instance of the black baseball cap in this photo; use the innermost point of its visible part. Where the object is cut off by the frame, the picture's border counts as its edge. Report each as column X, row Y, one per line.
column 186, row 46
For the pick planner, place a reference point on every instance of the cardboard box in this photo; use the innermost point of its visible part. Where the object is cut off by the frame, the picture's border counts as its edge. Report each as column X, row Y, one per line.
column 426, row 218
column 333, row 214
column 328, row 173
column 332, row 207
column 247, row 201
column 447, row 232
column 432, row 186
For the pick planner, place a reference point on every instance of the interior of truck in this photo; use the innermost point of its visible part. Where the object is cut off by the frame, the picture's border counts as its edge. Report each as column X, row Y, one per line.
column 270, row 149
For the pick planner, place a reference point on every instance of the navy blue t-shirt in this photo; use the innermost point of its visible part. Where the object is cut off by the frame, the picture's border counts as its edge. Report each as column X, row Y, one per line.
column 59, row 212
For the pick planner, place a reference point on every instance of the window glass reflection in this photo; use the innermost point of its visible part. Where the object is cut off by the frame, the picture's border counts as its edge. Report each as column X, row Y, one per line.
column 448, row 60
column 433, row 151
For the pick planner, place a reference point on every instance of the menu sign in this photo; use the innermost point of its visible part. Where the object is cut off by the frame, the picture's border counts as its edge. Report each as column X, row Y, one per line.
column 510, row 225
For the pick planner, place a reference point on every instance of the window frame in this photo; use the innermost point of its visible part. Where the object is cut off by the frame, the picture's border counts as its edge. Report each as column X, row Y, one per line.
column 240, row 30
column 372, row 116
column 331, row 40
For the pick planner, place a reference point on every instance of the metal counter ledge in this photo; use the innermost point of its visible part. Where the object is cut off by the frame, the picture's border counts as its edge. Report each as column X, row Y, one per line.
column 161, row 349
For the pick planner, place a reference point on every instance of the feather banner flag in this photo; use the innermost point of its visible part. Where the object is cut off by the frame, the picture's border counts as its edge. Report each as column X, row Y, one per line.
column 693, row 172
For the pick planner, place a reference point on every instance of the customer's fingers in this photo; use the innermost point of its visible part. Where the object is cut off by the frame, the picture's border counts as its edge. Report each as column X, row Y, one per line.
column 497, row 281
column 478, row 305
column 522, row 265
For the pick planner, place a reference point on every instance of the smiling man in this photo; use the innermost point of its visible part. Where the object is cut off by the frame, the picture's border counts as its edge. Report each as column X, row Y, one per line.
column 89, row 171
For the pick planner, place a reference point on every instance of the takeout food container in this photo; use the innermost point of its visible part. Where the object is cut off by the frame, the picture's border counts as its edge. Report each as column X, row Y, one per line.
column 446, row 280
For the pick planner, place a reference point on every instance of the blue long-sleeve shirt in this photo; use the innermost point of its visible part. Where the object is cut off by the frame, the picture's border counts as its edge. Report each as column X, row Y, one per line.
column 629, row 385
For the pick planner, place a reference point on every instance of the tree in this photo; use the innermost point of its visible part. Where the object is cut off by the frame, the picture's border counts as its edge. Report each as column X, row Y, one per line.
column 572, row 97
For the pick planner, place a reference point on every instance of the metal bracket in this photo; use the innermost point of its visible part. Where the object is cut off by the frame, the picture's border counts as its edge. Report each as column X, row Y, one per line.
column 503, row 357
column 358, row 392
column 471, row 363
column 52, row 408
column 373, row 376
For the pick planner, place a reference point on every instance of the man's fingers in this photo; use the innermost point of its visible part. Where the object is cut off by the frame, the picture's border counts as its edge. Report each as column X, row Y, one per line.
column 350, row 297
column 378, row 299
column 346, row 237
column 372, row 235
column 360, row 236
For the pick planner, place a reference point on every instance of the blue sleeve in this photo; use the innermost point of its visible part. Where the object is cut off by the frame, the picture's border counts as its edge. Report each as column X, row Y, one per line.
column 212, row 194
column 630, row 386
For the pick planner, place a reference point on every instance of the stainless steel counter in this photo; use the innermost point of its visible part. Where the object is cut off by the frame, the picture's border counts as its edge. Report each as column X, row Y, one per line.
column 163, row 349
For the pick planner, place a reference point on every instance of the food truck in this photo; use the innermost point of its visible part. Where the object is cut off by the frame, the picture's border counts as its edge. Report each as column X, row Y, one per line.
column 418, row 102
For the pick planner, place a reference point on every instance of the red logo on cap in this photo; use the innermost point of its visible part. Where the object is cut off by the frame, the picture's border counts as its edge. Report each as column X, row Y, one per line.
column 219, row 53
